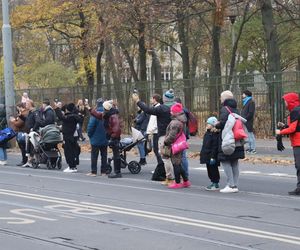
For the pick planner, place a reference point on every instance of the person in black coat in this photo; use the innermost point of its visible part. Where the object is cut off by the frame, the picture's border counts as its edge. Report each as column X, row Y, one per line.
column 209, row 153
column 230, row 163
column 248, row 113
column 71, row 148
column 46, row 115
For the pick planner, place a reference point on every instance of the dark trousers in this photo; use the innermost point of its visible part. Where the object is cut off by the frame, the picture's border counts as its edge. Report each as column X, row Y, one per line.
column 213, row 173
column 94, row 158
column 116, row 157
column 297, row 163
column 179, row 171
column 22, row 147
column 72, row 151
column 156, row 149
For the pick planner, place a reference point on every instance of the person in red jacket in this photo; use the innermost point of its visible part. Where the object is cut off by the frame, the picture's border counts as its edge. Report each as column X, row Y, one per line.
column 112, row 125
column 292, row 129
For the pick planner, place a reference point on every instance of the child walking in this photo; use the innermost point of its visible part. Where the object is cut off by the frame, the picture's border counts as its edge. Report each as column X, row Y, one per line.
column 209, row 153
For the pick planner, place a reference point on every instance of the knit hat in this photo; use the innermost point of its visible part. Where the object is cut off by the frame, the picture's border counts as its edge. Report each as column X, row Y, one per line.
column 177, row 108
column 107, row 105
column 168, row 96
column 212, row 121
column 70, row 107
column 227, row 94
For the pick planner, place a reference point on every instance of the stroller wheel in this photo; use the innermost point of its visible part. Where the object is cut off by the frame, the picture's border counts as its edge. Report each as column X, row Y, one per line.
column 49, row 165
column 134, row 167
column 34, row 164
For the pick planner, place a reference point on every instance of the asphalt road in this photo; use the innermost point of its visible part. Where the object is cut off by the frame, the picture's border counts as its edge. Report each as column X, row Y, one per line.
column 49, row 209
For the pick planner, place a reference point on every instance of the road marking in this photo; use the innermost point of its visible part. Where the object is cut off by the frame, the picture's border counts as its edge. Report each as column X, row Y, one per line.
column 24, row 212
column 17, row 221
column 163, row 217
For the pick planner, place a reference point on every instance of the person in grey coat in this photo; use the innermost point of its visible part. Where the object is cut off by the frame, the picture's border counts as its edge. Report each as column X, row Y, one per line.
column 230, row 163
column 248, row 113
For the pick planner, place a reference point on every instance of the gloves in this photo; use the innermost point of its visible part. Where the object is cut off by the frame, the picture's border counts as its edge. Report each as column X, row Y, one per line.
column 280, row 146
column 212, row 162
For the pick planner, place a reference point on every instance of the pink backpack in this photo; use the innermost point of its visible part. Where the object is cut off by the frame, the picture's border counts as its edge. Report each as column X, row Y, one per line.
column 238, row 128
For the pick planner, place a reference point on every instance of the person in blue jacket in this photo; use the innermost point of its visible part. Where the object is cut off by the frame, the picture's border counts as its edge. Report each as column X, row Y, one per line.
column 96, row 133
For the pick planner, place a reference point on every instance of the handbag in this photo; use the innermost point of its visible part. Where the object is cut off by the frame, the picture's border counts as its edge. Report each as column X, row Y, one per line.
column 180, row 144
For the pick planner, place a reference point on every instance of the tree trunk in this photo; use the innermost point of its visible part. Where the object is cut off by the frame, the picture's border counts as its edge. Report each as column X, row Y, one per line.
column 99, row 68
column 131, row 64
column 215, row 70
column 156, row 67
column 183, row 39
column 142, row 85
column 274, row 62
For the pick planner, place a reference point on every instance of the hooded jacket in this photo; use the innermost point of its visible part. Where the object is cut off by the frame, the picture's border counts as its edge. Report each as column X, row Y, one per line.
column 293, row 105
column 248, row 112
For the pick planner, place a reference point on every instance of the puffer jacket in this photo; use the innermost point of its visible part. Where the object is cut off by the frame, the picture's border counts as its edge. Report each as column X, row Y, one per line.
column 239, row 152
column 210, row 148
column 174, row 129
column 293, row 129
column 47, row 117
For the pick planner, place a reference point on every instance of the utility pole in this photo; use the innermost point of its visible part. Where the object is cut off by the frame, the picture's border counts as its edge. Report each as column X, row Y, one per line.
column 8, row 63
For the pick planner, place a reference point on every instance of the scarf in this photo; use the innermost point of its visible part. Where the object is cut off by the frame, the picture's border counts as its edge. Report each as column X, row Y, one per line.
column 246, row 99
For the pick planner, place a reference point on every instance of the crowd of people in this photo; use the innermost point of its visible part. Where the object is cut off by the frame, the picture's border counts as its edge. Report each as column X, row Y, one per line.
column 164, row 124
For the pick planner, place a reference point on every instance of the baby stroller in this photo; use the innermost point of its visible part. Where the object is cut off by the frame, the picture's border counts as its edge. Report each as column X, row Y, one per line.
column 45, row 147
column 126, row 144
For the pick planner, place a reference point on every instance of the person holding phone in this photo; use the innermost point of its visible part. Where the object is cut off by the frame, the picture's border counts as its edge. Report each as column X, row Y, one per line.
column 82, row 112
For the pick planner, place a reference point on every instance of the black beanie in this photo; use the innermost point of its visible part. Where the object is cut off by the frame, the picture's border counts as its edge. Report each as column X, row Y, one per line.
column 70, row 107
column 247, row 92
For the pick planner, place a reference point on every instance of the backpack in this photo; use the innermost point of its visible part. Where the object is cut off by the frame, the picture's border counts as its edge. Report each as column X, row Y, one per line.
column 238, row 128
column 7, row 134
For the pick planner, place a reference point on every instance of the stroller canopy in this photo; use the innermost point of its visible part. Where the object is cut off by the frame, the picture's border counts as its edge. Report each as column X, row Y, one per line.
column 50, row 134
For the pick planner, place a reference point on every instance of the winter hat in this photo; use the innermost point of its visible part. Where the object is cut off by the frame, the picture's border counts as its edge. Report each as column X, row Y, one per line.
column 70, row 107
column 227, row 94
column 212, row 121
column 177, row 108
column 168, row 96
column 107, row 105
column 247, row 92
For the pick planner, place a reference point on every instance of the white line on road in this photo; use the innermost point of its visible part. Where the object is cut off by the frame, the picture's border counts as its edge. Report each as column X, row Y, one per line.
column 163, row 217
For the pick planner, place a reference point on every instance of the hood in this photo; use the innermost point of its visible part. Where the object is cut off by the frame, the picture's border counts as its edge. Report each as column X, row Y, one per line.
column 180, row 117
column 230, row 103
column 47, row 107
column 292, row 100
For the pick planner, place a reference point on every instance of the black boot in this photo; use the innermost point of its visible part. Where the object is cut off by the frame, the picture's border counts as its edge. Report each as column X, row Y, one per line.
column 295, row 192
column 142, row 161
column 159, row 173
column 115, row 175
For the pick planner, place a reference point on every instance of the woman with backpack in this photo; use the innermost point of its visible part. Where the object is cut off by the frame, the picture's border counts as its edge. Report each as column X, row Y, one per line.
column 229, row 162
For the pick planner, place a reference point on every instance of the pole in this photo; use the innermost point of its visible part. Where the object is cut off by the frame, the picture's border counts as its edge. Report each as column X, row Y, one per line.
column 8, row 63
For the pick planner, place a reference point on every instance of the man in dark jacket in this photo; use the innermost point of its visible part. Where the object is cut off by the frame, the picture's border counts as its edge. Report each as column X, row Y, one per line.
column 47, row 115
column 98, row 140
column 163, row 115
column 292, row 129
column 248, row 112
column 112, row 126
column 71, row 148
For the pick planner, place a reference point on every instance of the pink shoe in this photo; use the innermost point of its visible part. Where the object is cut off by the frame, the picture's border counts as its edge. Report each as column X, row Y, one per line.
column 186, row 184
column 175, row 185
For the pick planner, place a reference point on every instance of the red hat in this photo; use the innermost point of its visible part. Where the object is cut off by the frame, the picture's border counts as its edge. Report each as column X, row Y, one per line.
column 177, row 108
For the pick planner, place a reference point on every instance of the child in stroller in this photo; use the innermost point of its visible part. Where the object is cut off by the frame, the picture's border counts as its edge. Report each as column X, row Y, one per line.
column 126, row 144
column 45, row 150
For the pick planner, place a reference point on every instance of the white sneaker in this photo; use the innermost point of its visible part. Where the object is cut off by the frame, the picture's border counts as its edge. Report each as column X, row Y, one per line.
column 70, row 170
column 27, row 165
column 3, row 163
column 228, row 189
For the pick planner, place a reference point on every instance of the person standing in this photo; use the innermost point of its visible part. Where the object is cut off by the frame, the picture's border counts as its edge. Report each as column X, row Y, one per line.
column 292, row 129
column 83, row 112
column 209, row 153
column 112, row 126
column 230, row 163
column 47, row 115
column 141, row 121
column 248, row 113
column 3, row 145
column 71, row 148
column 97, row 135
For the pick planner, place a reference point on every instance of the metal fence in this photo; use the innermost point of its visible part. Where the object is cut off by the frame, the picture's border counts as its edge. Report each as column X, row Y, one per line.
column 266, row 89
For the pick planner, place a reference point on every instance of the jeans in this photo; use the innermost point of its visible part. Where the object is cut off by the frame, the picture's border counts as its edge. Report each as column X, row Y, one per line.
column 179, row 171
column 251, row 141
column 141, row 148
column 3, row 154
column 185, row 163
column 297, row 163
column 94, row 159
column 231, row 169
column 79, row 130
